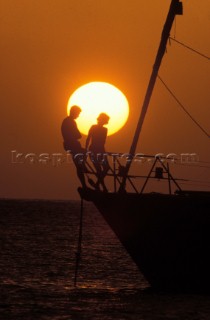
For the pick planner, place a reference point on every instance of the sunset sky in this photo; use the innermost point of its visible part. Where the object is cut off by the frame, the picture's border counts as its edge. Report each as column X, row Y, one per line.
column 49, row 48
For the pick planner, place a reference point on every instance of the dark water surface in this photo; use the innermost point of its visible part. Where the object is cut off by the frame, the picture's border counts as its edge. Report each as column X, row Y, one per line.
column 38, row 242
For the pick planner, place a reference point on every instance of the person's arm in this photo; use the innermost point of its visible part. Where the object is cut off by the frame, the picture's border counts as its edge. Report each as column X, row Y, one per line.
column 88, row 139
column 106, row 133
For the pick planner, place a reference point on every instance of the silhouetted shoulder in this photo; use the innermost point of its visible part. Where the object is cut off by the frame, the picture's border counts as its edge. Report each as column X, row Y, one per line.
column 97, row 130
column 69, row 129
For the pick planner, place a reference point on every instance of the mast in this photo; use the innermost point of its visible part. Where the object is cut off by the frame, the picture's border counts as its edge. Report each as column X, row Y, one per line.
column 175, row 9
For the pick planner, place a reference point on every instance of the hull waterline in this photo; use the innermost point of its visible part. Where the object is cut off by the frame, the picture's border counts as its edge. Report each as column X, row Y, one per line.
column 167, row 236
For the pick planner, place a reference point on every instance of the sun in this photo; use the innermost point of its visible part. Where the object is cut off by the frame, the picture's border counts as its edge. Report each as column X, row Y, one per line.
column 96, row 97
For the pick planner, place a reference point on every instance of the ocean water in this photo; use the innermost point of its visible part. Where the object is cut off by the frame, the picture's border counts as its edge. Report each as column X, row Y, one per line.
column 38, row 242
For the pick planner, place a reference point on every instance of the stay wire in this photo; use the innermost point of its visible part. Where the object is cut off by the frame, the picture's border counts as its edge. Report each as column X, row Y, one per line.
column 79, row 245
column 187, row 47
column 191, row 165
column 174, row 28
column 183, row 108
column 195, row 184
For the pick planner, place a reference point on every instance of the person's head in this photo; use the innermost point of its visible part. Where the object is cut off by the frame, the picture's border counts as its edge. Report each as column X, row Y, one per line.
column 103, row 118
column 74, row 112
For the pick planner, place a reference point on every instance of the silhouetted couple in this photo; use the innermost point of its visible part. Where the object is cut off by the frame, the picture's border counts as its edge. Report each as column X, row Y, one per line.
column 95, row 144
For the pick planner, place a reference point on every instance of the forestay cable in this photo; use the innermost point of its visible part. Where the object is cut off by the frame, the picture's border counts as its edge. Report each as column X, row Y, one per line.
column 183, row 108
column 187, row 47
column 79, row 246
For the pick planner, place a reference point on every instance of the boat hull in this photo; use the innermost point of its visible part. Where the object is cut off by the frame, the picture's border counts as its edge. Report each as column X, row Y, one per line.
column 167, row 236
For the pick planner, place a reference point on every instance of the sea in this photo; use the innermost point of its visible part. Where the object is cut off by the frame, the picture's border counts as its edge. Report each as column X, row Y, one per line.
column 40, row 255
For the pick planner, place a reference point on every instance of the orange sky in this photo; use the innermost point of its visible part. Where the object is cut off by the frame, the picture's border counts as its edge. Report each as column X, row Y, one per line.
column 49, row 48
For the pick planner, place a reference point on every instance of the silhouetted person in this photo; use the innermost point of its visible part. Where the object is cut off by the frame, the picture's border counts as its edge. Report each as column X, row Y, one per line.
column 95, row 143
column 71, row 136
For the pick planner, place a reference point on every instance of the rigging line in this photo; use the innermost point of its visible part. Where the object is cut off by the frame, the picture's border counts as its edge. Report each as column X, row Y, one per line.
column 198, row 163
column 174, row 28
column 195, row 184
column 79, row 245
column 195, row 51
column 207, row 162
column 185, row 110
column 195, row 164
column 195, row 181
column 191, row 165
column 205, row 167
column 200, row 181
